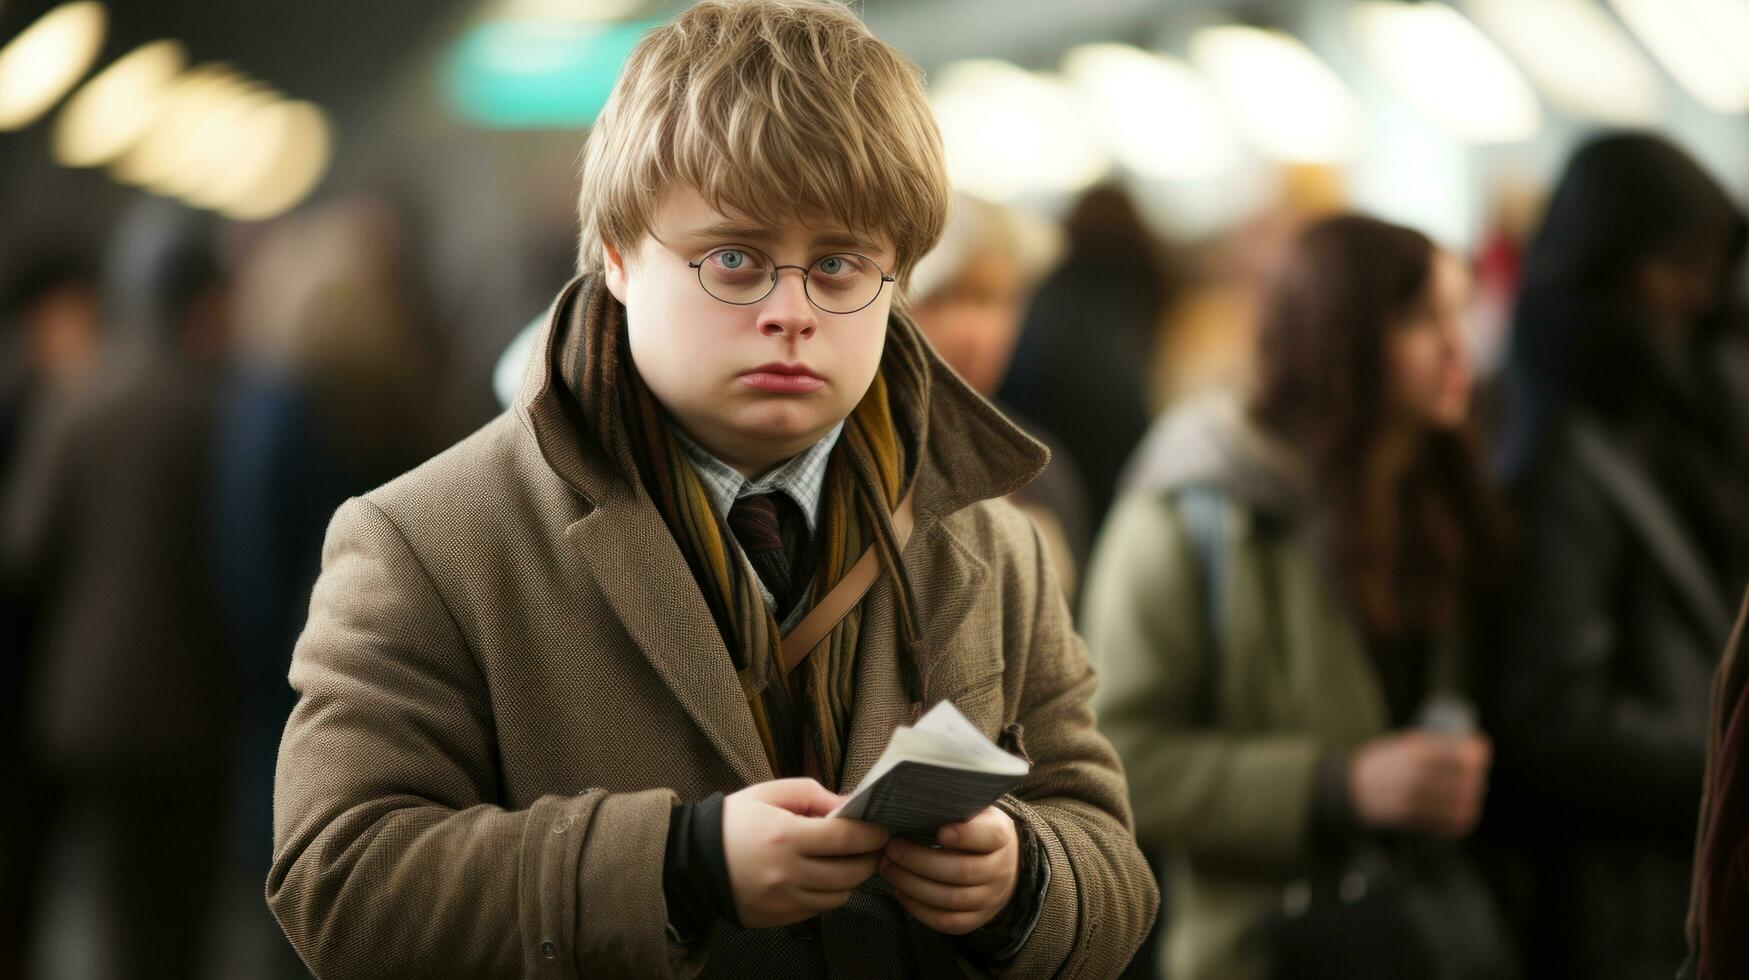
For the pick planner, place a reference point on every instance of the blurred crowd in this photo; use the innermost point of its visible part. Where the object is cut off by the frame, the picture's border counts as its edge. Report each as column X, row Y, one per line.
column 1407, row 572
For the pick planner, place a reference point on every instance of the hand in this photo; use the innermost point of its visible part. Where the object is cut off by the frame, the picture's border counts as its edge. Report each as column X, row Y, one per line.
column 962, row 884
column 1420, row 781
column 787, row 863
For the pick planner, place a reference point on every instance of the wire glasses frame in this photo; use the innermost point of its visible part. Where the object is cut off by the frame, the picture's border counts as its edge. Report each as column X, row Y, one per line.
column 843, row 291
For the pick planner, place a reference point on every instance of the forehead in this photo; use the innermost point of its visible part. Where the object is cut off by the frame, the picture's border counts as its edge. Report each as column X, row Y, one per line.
column 684, row 217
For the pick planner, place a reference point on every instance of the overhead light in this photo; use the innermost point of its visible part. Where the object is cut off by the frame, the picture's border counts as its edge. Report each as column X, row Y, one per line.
column 112, row 111
column 155, row 160
column 1283, row 97
column 216, row 139
column 291, row 151
column 39, row 65
column 1008, row 132
column 1703, row 44
column 1595, row 71
column 1448, row 69
column 1155, row 113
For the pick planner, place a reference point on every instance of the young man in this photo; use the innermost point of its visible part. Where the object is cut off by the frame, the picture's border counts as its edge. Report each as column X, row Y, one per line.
column 546, row 726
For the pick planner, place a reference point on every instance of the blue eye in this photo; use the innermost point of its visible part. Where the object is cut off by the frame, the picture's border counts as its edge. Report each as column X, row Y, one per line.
column 832, row 265
column 731, row 259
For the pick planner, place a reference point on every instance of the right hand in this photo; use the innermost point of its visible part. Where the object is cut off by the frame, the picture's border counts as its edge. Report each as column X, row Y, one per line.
column 787, row 863
column 1420, row 781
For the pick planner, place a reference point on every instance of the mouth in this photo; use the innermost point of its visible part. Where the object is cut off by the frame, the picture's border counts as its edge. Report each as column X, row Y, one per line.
column 791, row 370
column 789, row 379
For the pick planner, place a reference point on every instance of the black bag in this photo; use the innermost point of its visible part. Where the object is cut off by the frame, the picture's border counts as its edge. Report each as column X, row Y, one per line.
column 1392, row 909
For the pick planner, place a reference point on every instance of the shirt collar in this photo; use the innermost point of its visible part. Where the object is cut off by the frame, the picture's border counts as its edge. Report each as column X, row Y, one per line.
column 802, row 477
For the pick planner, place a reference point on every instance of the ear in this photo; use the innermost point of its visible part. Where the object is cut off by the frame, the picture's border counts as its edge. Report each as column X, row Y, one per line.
column 613, row 271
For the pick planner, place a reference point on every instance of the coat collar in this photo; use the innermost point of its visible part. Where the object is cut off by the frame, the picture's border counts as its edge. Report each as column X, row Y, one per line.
column 967, row 452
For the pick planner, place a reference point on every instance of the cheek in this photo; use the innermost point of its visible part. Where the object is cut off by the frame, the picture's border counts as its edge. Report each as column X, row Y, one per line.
column 1417, row 369
column 861, row 350
column 674, row 340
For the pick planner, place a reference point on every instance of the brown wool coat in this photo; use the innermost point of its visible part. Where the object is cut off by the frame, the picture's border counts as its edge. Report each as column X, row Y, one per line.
column 509, row 676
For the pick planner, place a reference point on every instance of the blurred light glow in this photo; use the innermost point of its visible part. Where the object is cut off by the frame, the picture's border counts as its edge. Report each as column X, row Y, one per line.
column 1448, row 69
column 537, row 73
column 215, row 141
column 112, row 111
column 1156, row 114
column 47, row 58
column 1008, row 132
column 292, row 149
column 1704, row 44
column 1595, row 71
column 1283, row 97
column 153, row 161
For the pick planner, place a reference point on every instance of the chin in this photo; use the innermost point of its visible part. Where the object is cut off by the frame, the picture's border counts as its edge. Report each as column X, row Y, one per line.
column 785, row 424
column 1450, row 417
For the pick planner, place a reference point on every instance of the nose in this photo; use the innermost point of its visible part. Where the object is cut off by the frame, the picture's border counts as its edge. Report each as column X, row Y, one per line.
column 787, row 309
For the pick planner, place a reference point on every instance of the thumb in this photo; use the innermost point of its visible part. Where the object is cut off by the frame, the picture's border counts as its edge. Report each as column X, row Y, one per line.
column 803, row 797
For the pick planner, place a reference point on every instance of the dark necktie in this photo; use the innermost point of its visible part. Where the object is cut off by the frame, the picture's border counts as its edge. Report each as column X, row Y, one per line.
column 771, row 531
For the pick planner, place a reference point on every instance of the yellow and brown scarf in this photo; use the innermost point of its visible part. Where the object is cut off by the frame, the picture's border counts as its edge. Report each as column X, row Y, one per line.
column 803, row 724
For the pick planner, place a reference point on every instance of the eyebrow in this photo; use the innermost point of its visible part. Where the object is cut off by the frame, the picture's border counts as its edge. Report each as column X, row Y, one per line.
column 758, row 235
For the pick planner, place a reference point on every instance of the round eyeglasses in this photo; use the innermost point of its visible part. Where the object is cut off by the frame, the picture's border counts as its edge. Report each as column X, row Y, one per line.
column 740, row 275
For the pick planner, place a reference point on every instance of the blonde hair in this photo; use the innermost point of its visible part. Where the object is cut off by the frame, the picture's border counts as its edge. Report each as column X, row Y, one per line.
column 767, row 108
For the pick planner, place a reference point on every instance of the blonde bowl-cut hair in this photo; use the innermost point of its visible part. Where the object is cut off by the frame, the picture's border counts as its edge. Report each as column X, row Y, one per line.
column 767, row 108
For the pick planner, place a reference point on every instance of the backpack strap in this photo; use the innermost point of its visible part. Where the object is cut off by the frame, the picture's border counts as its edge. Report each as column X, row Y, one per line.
column 1203, row 511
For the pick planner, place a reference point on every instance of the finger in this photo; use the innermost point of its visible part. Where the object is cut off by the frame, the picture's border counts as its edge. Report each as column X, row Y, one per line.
column 989, row 831
column 943, row 864
column 952, row 898
column 1481, row 750
column 835, row 874
column 820, row 901
column 837, row 836
column 1446, row 758
column 942, row 920
column 803, row 797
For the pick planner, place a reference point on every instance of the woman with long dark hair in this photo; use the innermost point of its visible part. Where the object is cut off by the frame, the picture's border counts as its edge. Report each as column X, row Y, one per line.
column 1627, row 464
column 1280, row 605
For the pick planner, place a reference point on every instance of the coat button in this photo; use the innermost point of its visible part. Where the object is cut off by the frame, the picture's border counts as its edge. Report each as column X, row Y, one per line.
column 549, row 949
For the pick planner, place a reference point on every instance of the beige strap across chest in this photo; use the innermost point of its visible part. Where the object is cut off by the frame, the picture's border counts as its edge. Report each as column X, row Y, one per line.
column 795, row 645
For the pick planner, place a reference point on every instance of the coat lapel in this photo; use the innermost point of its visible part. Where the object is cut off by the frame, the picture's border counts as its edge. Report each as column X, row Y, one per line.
column 642, row 575
column 947, row 578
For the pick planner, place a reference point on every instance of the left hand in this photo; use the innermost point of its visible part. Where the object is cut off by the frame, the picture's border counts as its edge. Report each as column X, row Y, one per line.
column 962, row 884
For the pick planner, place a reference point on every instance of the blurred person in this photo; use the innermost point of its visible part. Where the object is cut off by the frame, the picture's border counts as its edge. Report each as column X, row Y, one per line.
column 1081, row 367
column 1208, row 333
column 326, row 398
column 1719, row 896
column 556, row 710
column 967, row 296
column 49, row 339
column 1282, row 608
column 132, row 709
column 1625, row 460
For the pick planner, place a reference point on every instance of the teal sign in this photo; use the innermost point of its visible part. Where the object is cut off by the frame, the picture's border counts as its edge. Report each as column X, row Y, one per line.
column 537, row 74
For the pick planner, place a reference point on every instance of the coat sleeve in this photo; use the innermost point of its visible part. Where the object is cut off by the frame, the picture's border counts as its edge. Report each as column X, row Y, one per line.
column 1101, row 899
column 392, row 856
column 1198, row 789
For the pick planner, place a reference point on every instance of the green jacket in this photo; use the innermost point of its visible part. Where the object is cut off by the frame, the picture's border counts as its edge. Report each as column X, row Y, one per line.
column 1222, row 747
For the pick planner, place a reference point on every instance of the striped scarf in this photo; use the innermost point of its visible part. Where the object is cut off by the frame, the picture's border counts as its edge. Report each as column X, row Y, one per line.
column 804, row 723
